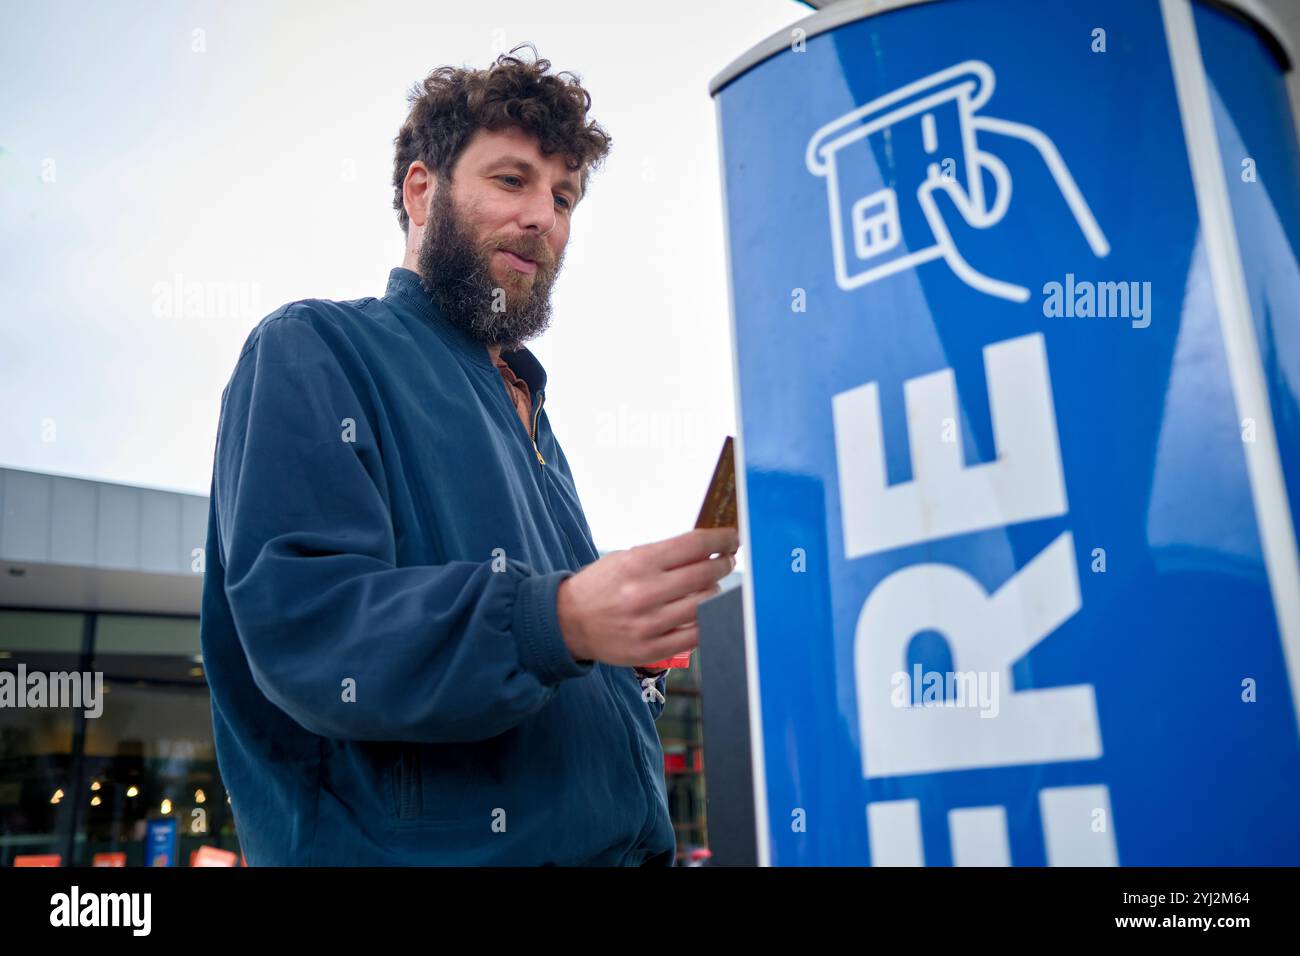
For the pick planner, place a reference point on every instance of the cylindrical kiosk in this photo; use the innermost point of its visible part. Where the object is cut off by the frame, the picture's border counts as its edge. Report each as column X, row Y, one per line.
column 1016, row 314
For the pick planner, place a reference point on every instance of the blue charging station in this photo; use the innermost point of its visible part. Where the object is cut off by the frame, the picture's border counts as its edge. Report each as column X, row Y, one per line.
column 1016, row 316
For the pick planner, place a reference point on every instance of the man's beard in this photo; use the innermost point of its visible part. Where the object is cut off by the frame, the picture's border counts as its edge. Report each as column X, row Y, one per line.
column 456, row 273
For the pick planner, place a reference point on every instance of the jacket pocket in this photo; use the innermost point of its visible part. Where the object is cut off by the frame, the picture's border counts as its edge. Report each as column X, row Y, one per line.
column 428, row 783
column 408, row 787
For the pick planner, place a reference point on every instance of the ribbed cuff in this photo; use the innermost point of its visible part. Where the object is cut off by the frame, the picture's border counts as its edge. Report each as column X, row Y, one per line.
column 542, row 650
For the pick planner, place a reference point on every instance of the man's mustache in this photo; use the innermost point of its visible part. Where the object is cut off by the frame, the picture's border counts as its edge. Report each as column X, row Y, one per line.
column 538, row 253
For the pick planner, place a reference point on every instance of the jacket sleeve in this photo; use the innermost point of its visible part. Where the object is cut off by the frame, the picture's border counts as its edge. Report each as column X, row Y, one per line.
column 336, row 635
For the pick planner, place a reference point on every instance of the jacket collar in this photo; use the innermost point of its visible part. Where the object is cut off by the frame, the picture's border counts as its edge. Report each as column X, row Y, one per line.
column 405, row 285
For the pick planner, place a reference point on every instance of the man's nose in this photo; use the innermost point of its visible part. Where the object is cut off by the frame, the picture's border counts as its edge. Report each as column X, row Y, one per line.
column 538, row 213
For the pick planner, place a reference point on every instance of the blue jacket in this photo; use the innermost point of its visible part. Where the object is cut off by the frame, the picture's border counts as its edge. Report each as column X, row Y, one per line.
column 389, row 682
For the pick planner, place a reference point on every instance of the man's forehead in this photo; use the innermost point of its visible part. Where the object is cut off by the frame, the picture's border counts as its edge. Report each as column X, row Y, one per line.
column 513, row 143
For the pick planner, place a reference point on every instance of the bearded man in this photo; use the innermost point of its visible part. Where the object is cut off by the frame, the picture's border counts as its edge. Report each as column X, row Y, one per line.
column 415, row 652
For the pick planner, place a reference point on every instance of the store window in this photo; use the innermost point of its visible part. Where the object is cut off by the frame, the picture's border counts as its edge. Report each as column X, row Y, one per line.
column 150, row 757
column 136, row 785
column 37, row 765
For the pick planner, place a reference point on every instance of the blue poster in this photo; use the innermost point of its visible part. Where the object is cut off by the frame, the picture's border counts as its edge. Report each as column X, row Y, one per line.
column 160, row 842
column 1019, row 435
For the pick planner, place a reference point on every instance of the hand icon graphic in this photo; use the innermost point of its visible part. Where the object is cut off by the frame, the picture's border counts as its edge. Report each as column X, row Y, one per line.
column 933, row 124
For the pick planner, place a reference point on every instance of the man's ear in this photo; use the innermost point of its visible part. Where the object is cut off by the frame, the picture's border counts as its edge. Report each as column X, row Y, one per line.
column 417, row 192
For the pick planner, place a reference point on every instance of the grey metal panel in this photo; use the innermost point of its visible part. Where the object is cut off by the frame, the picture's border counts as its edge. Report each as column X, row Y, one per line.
column 91, row 545
column 98, row 589
column 728, row 761
column 194, row 529
column 26, row 517
column 117, row 523
column 59, row 519
column 72, row 521
column 1288, row 15
column 160, row 532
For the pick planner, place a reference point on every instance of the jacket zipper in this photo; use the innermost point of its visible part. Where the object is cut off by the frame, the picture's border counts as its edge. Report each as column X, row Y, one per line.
column 514, row 413
column 537, row 417
column 611, row 693
column 541, row 397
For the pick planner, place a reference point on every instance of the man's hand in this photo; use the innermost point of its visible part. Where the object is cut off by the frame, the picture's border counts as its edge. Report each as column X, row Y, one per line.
column 635, row 606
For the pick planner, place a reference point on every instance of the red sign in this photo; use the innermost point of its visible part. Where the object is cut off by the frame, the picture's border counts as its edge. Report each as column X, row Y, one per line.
column 212, row 856
column 677, row 660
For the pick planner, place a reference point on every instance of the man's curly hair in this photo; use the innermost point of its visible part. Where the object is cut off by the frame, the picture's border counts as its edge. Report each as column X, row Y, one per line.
column 452, row 103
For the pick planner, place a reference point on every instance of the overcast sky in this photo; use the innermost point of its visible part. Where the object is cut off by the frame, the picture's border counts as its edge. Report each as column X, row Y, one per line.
column 244, row 151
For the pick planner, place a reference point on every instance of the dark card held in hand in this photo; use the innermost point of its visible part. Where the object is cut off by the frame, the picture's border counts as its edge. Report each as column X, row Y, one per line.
column 719, row 511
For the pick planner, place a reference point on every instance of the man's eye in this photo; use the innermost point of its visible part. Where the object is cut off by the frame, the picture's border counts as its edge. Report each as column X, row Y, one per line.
column 564, row 200
column 511, row 177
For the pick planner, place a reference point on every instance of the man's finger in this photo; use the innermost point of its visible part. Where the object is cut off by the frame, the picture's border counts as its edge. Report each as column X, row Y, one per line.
column 683, row 610
column 690, row 578
column 677, row 641
column 694, row 545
